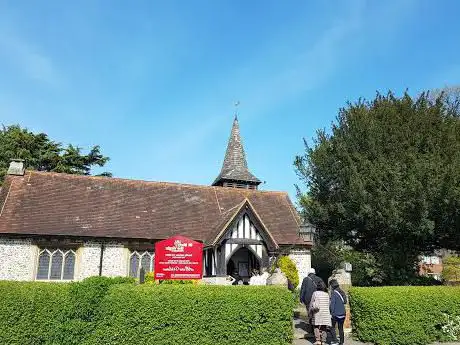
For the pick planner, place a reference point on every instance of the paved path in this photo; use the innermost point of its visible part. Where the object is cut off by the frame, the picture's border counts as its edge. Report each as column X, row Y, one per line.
column 301, row 337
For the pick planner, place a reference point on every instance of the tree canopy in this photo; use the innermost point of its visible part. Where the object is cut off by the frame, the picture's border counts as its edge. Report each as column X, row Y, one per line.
column 385, row 179
column 43, row 154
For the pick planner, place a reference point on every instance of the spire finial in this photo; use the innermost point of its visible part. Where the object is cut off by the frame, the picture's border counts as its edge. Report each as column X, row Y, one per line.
column 236, row 104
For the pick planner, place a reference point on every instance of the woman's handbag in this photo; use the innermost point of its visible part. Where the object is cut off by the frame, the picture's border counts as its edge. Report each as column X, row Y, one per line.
column 314, row 306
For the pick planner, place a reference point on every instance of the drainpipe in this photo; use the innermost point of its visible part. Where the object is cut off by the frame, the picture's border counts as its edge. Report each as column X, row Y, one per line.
column 101, row 258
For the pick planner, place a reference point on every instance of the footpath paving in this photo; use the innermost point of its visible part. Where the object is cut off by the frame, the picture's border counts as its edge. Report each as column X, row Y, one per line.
column 301, row 337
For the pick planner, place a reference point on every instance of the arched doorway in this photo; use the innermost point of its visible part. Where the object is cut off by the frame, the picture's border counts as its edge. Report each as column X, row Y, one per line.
column 242, row 264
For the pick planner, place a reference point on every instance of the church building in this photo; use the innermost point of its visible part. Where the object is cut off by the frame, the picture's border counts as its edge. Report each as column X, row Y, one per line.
column 61, row 227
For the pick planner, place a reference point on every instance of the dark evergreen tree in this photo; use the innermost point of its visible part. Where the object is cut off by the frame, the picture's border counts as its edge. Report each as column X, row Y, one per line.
column 385, row 179
column 41, row 153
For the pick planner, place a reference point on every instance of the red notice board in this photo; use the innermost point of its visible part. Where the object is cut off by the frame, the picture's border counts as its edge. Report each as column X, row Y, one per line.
column 178, row 257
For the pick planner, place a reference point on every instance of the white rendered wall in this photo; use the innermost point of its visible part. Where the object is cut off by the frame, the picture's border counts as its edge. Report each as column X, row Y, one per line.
column 115, row 260
column 88, row 259
column 302, row 260
column 17, row 259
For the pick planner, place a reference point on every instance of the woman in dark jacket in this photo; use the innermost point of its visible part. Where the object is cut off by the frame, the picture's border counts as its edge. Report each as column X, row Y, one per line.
column 337, row 308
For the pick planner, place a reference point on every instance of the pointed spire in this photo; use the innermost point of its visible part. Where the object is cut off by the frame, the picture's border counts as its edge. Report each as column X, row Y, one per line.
column 235, row 167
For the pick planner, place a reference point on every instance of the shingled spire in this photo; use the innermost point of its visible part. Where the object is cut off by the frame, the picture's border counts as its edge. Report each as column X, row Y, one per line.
column 235, row 172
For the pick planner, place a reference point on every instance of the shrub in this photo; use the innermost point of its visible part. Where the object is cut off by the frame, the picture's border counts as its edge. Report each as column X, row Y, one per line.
column 288, row 267
column 403, row 315
column 179, row 282
column 100, row 311
column 423, row 281
column 451, row 327
column 82, row 312
column 85, row 296
column 204, row 315
column 47, row 313
column 29, row 311
column 150, row 279
column 367, row 269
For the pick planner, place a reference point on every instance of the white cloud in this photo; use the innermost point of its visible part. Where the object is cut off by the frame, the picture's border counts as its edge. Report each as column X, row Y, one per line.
column 28, row 59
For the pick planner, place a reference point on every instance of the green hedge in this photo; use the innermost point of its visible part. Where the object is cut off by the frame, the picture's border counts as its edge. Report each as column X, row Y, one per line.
column 51, row 313
column 30, row 312
column 402, row 315
column 96, row 312
column 179, row 314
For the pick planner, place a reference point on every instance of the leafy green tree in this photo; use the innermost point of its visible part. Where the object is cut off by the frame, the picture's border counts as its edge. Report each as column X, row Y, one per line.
column 328, row 257
column 451, row 269
column 43, row 154
column 385, row 179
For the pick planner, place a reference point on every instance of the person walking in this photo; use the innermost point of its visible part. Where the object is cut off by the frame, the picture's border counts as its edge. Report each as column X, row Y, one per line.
column 320, row 314
column 338, row 312
column 306, row 292
column 308, row 287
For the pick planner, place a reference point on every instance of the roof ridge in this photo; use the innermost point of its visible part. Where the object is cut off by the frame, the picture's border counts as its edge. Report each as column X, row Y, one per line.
column 127, row 180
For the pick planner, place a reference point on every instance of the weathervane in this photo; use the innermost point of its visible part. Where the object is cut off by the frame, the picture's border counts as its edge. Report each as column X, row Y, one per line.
column 236, row 104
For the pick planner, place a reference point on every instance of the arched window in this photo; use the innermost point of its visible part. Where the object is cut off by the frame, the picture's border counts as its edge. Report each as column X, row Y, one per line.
column 140, row 259
column 56, row 264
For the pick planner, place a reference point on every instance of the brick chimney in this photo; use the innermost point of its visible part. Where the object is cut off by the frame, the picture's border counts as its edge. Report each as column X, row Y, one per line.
column 16, row 167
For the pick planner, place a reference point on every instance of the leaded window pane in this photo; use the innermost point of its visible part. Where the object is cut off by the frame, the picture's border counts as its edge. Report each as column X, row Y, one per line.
column 56, row 266
column 133, row 265
column 43, row 265
column 145, row 262
column 69, row 265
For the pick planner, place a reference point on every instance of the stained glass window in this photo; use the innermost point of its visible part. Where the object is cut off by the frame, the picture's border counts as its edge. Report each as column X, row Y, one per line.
column 137, row 260
column 134, row 265
column 69, row 265
column 43, row 265
column 56, row 264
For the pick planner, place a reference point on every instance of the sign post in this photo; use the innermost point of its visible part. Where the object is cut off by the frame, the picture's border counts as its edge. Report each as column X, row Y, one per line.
column 178, row 257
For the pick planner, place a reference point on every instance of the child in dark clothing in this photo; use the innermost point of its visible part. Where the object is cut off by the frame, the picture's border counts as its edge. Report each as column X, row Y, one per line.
column 337, row 308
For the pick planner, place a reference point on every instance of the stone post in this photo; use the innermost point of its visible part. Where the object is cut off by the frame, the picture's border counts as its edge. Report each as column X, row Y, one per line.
column 302, row 260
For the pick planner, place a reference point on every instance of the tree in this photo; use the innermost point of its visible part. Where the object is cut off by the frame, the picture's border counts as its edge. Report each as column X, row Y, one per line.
column 332, row 255
column 450, row 96
column 451, row 269
column 386, row 179
column 42, row 154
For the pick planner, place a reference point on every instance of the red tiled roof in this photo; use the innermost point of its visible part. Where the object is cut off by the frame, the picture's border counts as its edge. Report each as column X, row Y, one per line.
column 41, row 203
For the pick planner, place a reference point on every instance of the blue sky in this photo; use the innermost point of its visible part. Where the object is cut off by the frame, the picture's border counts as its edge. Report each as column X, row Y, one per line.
column 154, row 82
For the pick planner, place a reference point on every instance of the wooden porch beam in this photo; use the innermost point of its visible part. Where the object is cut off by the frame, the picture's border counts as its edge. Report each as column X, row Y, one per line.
column 242, row 241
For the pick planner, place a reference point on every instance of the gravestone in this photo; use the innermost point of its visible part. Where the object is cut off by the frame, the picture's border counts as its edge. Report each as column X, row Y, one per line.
column 142, row 276
column 277, row 278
